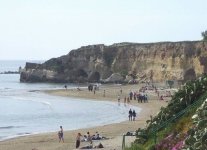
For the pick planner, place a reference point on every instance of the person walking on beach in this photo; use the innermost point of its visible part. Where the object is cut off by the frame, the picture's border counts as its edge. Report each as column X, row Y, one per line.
column 130, row 115
column 125, row 100
column 128, row 100
column 158, row 94
column 60, row 135
column 135, row 95
column 120, row 90
column 131, row 95
column 119, row 99
column 134, row 115
column 78, row 140
column 146, row 97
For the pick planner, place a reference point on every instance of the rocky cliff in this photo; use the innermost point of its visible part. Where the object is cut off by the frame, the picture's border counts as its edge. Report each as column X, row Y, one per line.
column 143, row 62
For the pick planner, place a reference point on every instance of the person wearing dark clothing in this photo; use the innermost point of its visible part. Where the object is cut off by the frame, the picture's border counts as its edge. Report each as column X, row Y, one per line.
column 90, row 88
column 130, row 115
column 78, row 140
column 60, row 134
column 134, row 115
column 135, row 96
column 130, row 95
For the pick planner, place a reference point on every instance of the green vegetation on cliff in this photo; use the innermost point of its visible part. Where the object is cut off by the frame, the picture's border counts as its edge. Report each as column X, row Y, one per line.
column 204, row 35
column 181, row 125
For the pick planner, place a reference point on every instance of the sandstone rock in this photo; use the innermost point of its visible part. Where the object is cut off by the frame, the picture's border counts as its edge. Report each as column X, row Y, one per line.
column 37, row 75
column 128, row 78
column 115, row 77
column 148, row 62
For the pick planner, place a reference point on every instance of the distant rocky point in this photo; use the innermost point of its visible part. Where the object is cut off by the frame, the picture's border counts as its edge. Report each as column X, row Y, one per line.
column 123, row 62
column 10, row 72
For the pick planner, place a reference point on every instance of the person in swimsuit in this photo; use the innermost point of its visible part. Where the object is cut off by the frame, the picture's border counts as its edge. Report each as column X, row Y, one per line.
column 60, row 134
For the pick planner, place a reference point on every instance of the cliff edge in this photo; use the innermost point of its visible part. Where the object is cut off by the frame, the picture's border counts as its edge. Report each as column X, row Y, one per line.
column 155, row 62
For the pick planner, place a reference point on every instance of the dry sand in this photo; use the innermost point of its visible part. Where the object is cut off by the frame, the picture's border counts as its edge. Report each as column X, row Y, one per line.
column 114, row 132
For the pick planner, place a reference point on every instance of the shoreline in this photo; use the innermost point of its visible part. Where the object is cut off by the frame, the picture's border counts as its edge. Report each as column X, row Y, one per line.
column 67, row 130
column 49, row 141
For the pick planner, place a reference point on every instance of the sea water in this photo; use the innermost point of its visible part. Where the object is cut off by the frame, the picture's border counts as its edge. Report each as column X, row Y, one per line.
column 25, row 109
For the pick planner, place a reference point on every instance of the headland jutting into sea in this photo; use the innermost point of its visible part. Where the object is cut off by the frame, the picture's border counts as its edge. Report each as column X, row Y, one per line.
column 153, row 68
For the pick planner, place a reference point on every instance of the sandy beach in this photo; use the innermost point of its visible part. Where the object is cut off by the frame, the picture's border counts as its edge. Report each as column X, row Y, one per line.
column 49, row 141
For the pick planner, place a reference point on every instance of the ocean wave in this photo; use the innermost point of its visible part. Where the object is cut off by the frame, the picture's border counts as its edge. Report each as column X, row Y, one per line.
column 25, row 133
column 10, row 127
column 33, row 90
column 46, row 103
column 36, row 101
column 3, row 138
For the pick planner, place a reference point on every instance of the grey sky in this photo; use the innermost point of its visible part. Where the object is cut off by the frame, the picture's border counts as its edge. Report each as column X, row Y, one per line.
column 42, row 29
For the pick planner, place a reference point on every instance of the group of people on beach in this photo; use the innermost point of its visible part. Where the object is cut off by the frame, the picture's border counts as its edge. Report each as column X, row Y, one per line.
column 140, row 96
column 89, row 138
column 93, row 88
column 161, row 97
column 80, row 138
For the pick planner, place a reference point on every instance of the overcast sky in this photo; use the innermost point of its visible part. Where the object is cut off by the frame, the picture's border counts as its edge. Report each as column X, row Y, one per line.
column 42, row 29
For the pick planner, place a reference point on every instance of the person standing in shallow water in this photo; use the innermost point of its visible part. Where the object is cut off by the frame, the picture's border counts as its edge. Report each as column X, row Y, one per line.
column 60, row 135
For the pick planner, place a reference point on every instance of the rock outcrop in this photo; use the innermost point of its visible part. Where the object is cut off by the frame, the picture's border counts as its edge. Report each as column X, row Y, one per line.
column 115, row 77
column 144, row 62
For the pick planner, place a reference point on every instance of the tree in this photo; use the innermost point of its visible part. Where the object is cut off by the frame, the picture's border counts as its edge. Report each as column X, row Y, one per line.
column 204, row 35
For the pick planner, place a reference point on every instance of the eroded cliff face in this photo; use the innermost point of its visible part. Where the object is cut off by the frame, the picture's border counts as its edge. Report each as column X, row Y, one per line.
column 144, row 62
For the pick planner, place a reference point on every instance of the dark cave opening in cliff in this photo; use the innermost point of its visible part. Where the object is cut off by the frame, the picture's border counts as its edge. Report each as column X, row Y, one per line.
column 95, row 77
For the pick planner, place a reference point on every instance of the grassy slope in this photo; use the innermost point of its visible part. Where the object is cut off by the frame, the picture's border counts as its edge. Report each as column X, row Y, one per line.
column 180, row 126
